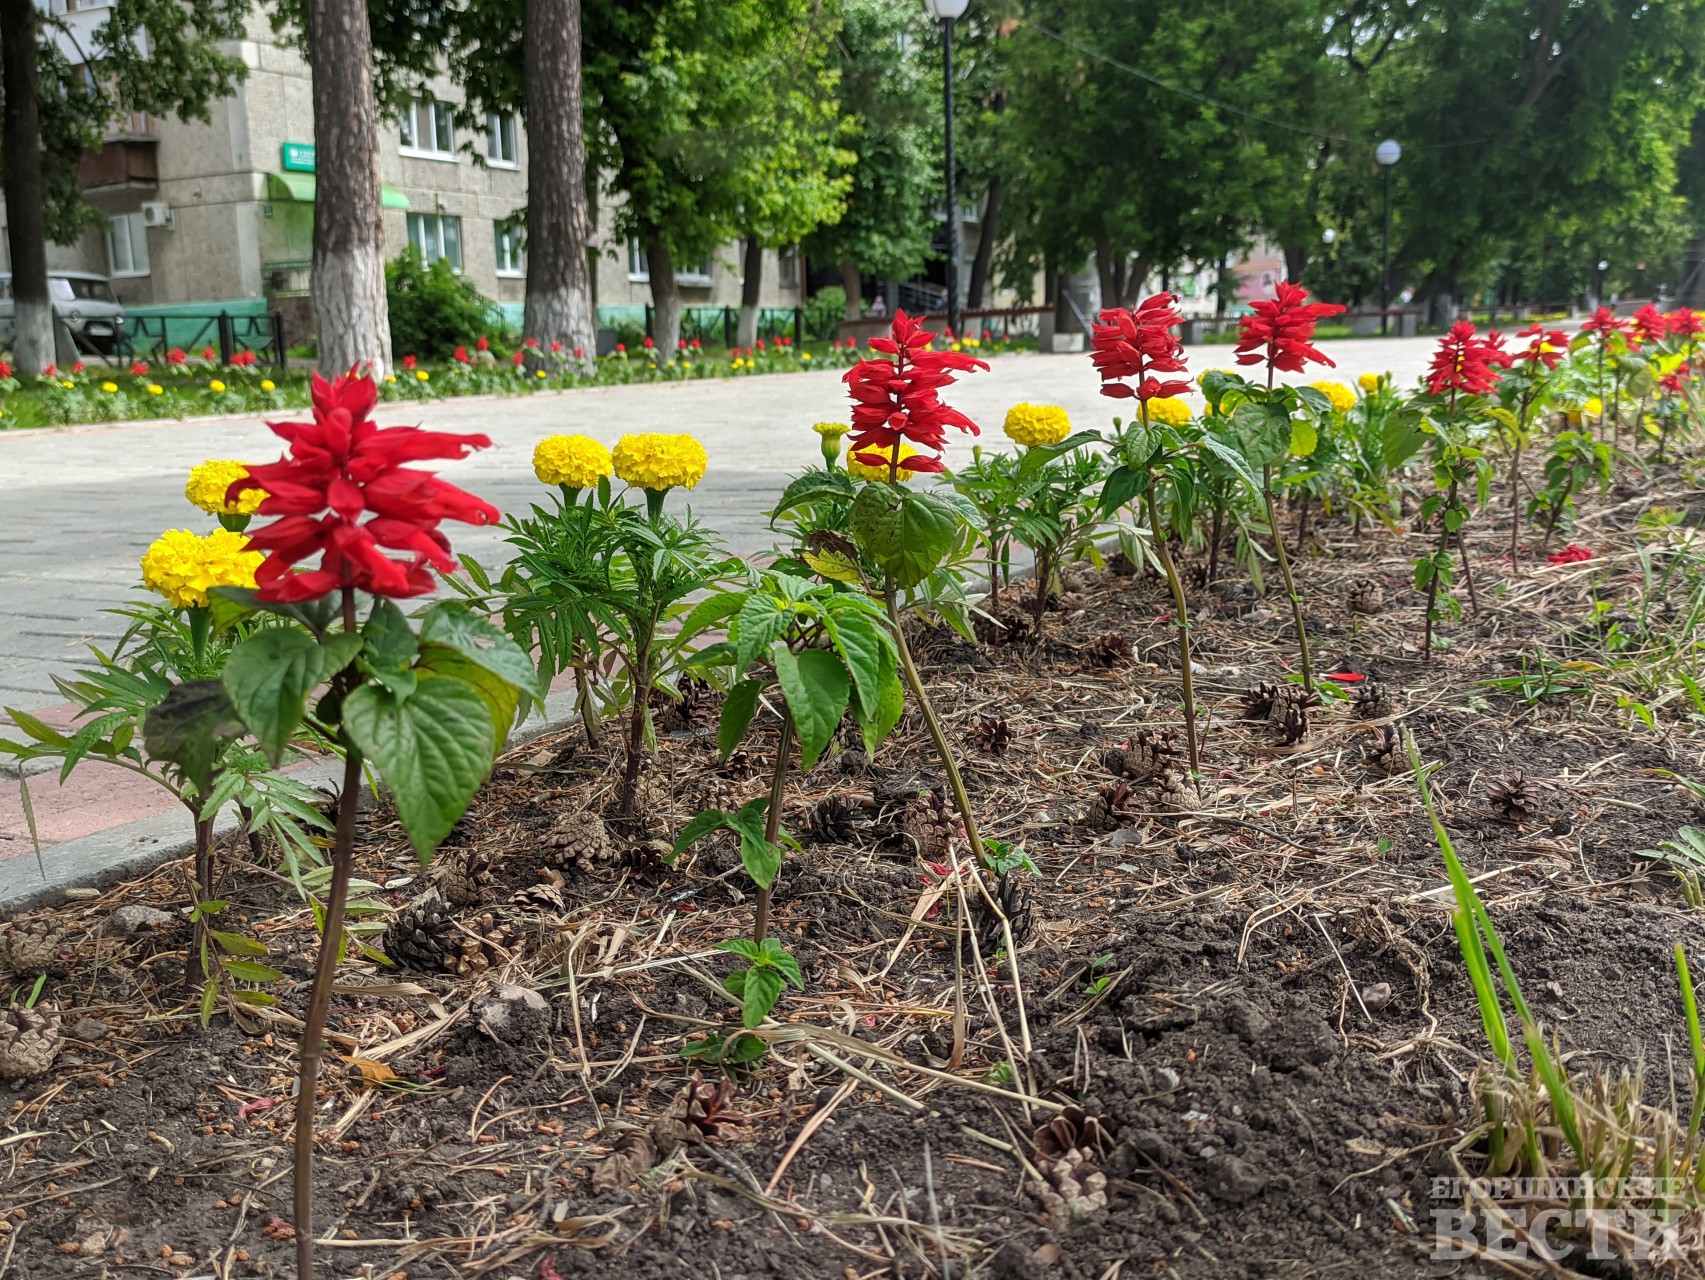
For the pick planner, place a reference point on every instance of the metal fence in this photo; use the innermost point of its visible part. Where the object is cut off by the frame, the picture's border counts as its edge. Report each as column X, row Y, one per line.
column 151, row 337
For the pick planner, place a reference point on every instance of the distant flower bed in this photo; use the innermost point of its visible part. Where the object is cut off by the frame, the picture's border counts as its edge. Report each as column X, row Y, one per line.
column 198, row 384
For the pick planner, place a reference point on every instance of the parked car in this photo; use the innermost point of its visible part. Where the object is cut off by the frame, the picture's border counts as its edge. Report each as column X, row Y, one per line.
column 82, row 301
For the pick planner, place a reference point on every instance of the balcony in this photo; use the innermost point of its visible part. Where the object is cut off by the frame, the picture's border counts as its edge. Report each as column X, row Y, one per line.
column 121, row 162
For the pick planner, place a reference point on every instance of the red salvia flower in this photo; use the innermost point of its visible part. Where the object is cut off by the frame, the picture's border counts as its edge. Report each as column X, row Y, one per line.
column 5, row 371
column 207, row 353
column 1684, row 322
column 243, row 360
column 899, row 399
column 137, row 370
column 1545, row 346
column 1139, row 344
column 1571, row 554
column 461, row 355
column 409, row 362
column 176, row 356
column 1279, row 330
column 556, row 347
column 1467, row 362
column 342, row 466
column 482, row 343
column 1650, row 325
column 1603, row 323
column 1675, row 382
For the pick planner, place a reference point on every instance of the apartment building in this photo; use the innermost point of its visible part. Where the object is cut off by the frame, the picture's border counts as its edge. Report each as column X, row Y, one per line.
column 222, row 214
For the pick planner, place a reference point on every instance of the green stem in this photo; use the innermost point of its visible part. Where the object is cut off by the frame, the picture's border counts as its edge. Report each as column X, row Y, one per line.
column 1433, row 581
column 1285, row 572
column 195, row 972
column 772, row 819
column 320, row 994
column 640, row 673
column 1183, row 613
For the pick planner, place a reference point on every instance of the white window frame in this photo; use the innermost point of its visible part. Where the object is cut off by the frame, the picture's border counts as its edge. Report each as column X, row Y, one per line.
column 639, row 264
column 436, row 245
column 135, row 238
column 439, row 119
column 496, row 124
column 698, row 276
column 507, row 243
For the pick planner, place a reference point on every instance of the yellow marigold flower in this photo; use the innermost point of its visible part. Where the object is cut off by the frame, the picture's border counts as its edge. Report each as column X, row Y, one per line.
column 421, row 375
column 1342, row 398
column 831, row 430
column 155, row 389
column 68, row 384
column 267, row 384
column 184, row 566
column 1368, row 382
column 1169, row 410
column 541, row 374
column 211, row 480
column 576, row 461
column 390, row 377
column 1037, row 424
column 216, row 385
column 859, row 471
column 805, row 356
column 109, row 387
column 652, row 460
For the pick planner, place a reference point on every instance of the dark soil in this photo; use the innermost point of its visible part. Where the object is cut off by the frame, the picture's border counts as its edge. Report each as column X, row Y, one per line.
column 1256, row 998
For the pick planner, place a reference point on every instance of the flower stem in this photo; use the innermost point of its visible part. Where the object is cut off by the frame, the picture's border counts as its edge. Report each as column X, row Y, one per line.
column 1183, row 613
column 312, row 1043
column 772, row 819
column 641, row 694
column 195, row 972
column 1285, row 572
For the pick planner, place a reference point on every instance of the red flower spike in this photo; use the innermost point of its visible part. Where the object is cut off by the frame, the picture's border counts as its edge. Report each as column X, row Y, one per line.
column 1466, row 362
column 461, row 355
column 1138, row 345
column 340, row 467
column 1603, row 323
column 5, row 371
column 1545, row 346
column 1650, row 325
column 1280, row 329
column 409, row 362
column 899, row 399
column 482, row 344
column 1684, row 322
column 176, row 356
column 1571, row 554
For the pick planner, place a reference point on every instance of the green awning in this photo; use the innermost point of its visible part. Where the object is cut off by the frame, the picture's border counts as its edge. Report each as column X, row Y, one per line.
column 301, row 187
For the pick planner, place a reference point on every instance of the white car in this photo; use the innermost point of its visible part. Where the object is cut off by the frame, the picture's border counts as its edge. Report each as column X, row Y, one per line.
column 82, row 301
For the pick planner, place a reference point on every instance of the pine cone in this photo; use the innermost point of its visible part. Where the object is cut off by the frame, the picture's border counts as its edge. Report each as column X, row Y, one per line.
column 1382, row 754
column 991, row 735
column 462, row 875
column 421, row 935
column 1148, row 753
column 29, row 947
column 854, row 763
column 462, row 833
column 648, row 860
column 1365, row 596
column 581, row 840
column 740, row 766
column 1013, row 897
column 1257, row 702
column 1112, row 808
column 706, row 1106
column 927, row 826
column 1513, row 798
column 1290, row 711
column 29, row 1042
column 1110, row 650
column 1002, row 628
column 831, row 820
column 694, row 709
column 1372, row 700
column 1172, row 789
column 1067, row 1149
column 481, row 943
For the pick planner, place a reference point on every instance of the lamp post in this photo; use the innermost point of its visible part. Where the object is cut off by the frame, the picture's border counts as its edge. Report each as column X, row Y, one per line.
column 1387, row 153
column 1598, row 284
column 945, row 12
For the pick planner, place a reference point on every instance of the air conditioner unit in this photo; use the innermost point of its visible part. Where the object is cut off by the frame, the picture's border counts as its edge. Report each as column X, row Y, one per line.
column 156, row 213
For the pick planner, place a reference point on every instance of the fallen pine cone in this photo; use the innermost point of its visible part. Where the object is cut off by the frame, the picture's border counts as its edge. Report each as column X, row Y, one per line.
column 29, row 947
column 1513, row 798
column 1382, row 754
column 991, row 735
column 1110, row 650
column 29, row 1042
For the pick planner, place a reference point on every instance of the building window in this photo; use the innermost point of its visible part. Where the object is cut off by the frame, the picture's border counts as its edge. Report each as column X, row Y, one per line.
column 435, row 236
column 127, row 245
column 787, row 268
column 500, row 139
column 427, row 130
column 506, row 241
column 639, row 265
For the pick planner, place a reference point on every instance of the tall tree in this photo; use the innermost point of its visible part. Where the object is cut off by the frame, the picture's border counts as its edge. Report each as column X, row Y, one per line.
column 559, row 285
column 351, row 317
column 154, row 56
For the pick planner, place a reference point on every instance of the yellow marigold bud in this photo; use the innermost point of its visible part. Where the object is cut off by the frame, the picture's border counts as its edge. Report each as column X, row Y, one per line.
column 579, row 462
column 830, row 430
column 1342, row 398
column 652, row 460
column 267, row 384
column 805, row 356
column 1169, row 410
column 1037, row 424
column 540, row 373
column 859, row 471
column 68, row 384
column 216, row 385
column 155, row 389
column 421, row 375
column 109, row 387
column 184, row 566
column 211, row 480
column 1368, row 382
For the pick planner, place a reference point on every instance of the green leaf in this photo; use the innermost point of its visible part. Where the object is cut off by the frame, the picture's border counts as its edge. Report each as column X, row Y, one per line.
column 268, row 678
column 737, row 712
column 906, row 534
column 1316, row 400
column 209, row 996
column 890, row 706
column 759, row 625
column 236, row 944
column 697, row 829
column 457, row 627
column 816, row 687
column 432, row 750
column 761, row 859
column 712, row 611
column 1263, row 432
column 1123, row 484
column 39, row 730
column 1039, row 456
column 1305, row 438
column 249, row 971
column 763, row 989
column 1228, row 454
column 773, row 955
column 502, row 699
column 387, row 638
column 868, row 651
column 814, row 486
column 740, row 947
column 836, row 566
column 190, row 726
column 316, row 615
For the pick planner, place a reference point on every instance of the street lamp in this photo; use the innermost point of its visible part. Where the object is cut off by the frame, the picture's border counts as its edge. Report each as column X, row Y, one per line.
column 1387, row 153
column 1598, row 290
column 945, row 12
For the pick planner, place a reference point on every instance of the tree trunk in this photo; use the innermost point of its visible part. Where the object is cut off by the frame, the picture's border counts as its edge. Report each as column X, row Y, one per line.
column 350, row 313
column 985, row 246
column 751, row 288
column 1296, row 262
column 665, row 297
column 20, row 153
column 1105, row 270
column 852, row 280
column 1135, row 281
column 559, row 278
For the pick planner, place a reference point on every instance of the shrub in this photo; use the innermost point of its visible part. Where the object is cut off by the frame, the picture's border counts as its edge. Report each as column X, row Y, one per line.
column 825, row 310
column 432, row 311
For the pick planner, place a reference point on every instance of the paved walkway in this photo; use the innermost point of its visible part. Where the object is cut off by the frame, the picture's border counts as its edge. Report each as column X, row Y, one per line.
column 78, row 505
